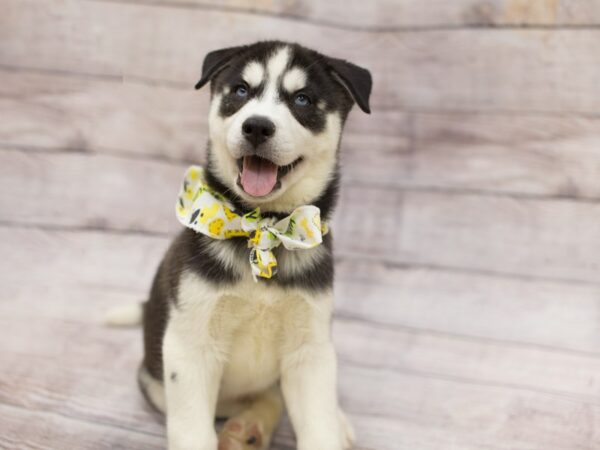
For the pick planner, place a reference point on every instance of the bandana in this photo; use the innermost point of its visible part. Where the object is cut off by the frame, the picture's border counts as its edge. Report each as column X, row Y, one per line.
column 208, row 212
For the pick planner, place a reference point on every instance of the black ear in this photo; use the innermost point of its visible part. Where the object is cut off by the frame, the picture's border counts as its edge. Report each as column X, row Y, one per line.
column 355, row 79
column 216, row 61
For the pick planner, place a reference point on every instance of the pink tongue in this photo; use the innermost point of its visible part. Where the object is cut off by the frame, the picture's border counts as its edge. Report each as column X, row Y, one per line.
column 259, row 176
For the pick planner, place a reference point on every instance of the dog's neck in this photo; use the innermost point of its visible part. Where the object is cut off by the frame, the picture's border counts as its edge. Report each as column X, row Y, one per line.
column 326, row 201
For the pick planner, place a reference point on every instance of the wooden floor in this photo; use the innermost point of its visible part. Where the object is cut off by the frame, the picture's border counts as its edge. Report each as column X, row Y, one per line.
column 468, row 312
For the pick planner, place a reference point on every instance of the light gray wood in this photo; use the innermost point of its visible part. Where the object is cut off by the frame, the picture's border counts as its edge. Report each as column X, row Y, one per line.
column 379, row 14
column 37, row 430
column 437, row 301
column 467, row 295
column 551, row 315
column 368, row 392
column 465, row 69
column 572, row 11
column 379, row 371
column 360, row 343
column 85, row 114
column 66, row 189
column 514, row 154
column 511, row 154
column 511, row 236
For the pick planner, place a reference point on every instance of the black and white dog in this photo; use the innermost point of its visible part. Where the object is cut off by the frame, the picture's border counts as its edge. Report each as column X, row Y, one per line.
column 217, row 343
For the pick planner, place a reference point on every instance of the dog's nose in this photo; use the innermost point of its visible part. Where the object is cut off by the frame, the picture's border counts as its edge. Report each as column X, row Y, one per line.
column 257, row 129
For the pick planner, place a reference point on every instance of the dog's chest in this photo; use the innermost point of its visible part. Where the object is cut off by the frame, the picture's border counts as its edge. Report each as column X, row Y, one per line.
column 254, row 356
column 260, row 322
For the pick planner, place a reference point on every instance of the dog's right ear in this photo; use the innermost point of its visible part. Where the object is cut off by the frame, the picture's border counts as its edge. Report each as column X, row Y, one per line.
column 216, row 61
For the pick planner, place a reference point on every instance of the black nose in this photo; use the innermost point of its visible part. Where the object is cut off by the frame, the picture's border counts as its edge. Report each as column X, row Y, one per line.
column 258, row 129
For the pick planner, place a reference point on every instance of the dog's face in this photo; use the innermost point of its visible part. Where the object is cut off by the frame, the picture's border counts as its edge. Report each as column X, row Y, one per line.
column 276, row 117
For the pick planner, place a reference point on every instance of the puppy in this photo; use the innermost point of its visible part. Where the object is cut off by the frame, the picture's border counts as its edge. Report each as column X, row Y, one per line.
column 219, row 340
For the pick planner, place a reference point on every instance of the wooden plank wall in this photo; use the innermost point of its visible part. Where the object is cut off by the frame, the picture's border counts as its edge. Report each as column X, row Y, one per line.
column 474, row 322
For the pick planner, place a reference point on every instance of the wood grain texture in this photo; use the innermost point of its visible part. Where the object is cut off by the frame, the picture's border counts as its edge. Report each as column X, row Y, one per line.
column 528, row 154
column 83, row 114
column 487, row 70
column 470, row 305
column 511, row 236
column 371, row 395
column 79, row 191
column 467, row 293
column 35, row 430
column 511, row 154
column 380, row 15
column 549, row 239
column 437, row 301
column 393, row 380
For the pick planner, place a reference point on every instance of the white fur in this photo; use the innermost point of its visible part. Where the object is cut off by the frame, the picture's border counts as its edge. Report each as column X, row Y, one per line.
column 193, row 365
column 124, row 316
column 153, row 388
column 277, row 64
column 294, row 79
column 218, row 345
column 253, row 73
column 231, row 341
column 227, row 257
column 290, row 142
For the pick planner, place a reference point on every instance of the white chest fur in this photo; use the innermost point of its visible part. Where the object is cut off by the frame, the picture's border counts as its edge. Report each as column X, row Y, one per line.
column 249, row 326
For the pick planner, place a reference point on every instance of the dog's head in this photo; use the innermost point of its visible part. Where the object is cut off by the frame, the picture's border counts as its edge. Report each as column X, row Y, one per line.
column 276, row 118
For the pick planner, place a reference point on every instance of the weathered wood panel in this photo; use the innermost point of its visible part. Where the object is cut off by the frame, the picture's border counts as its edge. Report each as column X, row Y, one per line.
column 551, row 155
column 79, row 114
column 514, row 236
column 108, row 269
column 529, row 154
column 400, row 367
column 473, row 415
column 437, row 414
column 23, row 428
column 103, row 261
column 476, row 68
column 382, row 14
column 360, row 342
column 496, row 364
column 548, row 314
column 522, row 237
column 447, row 336
column 40, row 188
column 579, row 12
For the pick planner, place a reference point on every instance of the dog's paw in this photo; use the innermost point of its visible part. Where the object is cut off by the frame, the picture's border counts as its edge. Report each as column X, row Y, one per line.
column 241, row 434
column 348, row 436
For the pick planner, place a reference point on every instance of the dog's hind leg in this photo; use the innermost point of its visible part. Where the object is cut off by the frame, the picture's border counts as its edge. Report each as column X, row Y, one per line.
column 152, row 389
column 253, row 427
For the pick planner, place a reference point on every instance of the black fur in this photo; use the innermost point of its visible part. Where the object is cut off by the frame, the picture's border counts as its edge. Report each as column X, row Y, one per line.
column 316, row 278
column 190, row 251
column 216, row 61
column 356, row 79
column 350, row 83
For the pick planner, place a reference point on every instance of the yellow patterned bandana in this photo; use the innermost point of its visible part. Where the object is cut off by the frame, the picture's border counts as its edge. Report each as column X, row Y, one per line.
column 208, row 212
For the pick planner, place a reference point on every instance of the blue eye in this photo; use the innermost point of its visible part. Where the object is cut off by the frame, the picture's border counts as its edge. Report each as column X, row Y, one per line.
column 241, row 91
column 302, row 100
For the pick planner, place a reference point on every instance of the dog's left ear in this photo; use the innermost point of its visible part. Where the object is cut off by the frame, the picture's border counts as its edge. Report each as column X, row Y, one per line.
column 216, row 61
column 355, row 79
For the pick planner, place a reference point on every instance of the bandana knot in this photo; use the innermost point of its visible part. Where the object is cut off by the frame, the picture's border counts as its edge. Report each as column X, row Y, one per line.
column 206, row 211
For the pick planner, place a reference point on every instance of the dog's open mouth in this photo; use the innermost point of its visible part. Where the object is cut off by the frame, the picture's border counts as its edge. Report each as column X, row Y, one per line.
column 259, row 177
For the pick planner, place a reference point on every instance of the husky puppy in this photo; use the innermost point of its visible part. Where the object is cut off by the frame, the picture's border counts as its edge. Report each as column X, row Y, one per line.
column 217, row 342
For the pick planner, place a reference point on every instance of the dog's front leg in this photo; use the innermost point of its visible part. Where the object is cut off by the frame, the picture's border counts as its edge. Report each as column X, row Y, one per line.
column 309, row 389
column 309, row 382
column 193, row 366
